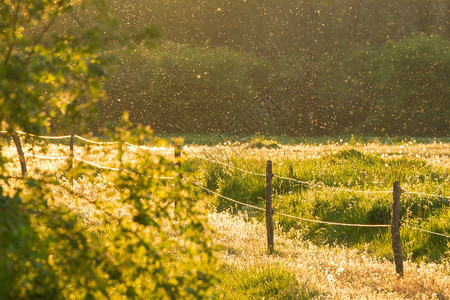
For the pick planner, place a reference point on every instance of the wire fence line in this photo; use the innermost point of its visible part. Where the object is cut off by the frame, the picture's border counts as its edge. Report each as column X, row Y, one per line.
column 427, row 195
column 330, row 187
column 427, row 231
column 314, row 220
column 137, row 146
column 309, row 183
column 118, row 169
column 44, row 136
column 332, row 223
column 95, row 142
column 90, row 163
column 225, row 197
column 313, row 184
column 286, row 215
column 246, row 171
column 231, row 166
column 74, row 157
column 89, row 140
column 95, row 165
column 46, row 157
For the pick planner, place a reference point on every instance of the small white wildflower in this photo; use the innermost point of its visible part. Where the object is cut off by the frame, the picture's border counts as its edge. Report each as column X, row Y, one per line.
column 340, row 270
column 330, row 278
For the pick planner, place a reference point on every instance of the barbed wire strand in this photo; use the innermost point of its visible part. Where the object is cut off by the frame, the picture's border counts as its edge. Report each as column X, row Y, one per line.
column 95, row 165
column 117, row 169
column 253, row 206
column 149, row 148
column 317, row 221
column 316, row 184
column 225, row 164
column 331, row 223
column 44, row 136
column 46, row 157
column 286, row 215
column 137, row 146
column 231, row 166
column 427, row 231
column 427, row 195
column 295, row 180
column 331, row 187
column 94, row 142
column 225, row 197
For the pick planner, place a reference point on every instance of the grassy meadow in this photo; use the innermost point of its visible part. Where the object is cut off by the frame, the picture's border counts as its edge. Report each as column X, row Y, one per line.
column 311, row 260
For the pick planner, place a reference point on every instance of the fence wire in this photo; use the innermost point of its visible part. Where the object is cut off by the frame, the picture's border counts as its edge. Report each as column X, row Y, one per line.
column 427, row 231
column 118, row 169
column 285, row 215
column 312, row 184
column 225, row 197
column 330, row 187
column 231, row 166
column 44, row 136
column 95, row 165
column 427, row 195
column 46, row 157
column 332, row 223
column 313, row 220
column 246, row 171
column 94, row 142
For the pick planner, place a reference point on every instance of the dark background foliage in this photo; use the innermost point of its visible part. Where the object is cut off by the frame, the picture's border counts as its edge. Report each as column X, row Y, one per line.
column 333, row 67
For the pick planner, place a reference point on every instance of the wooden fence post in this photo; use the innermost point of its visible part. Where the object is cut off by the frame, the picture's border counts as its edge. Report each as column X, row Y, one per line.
column 395, row 229
column 71, row 157
column 23, row 164
column 120, row 153
column 71, row 153
column 269, row 210
column 177, row 154
column 291, row 175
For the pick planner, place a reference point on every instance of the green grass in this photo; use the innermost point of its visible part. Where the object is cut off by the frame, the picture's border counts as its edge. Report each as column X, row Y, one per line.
column 264, row 282
column 285, row 275
column 346, row 168
column 211, row 139
column 261, row 142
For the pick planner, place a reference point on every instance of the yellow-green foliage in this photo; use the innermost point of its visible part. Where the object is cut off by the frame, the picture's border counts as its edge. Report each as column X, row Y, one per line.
column 51, row 247
column 113, row 234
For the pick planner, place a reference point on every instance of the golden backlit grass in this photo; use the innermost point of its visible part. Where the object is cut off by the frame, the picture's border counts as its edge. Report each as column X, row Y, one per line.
column 330, row 272
column 434, row 153
column 322, row 272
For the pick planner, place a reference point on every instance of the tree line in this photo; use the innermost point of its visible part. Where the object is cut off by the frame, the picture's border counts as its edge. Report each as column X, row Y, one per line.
column 332, row 67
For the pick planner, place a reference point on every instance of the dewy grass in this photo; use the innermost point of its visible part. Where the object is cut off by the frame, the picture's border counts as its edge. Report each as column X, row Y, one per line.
column 341, row 167
column 270, row 281
column 314, row 255
column 261, row 142
column 321, row 271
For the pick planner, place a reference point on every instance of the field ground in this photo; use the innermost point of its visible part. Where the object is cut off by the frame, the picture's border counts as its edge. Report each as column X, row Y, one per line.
column 303, row 270
column 303, row 266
